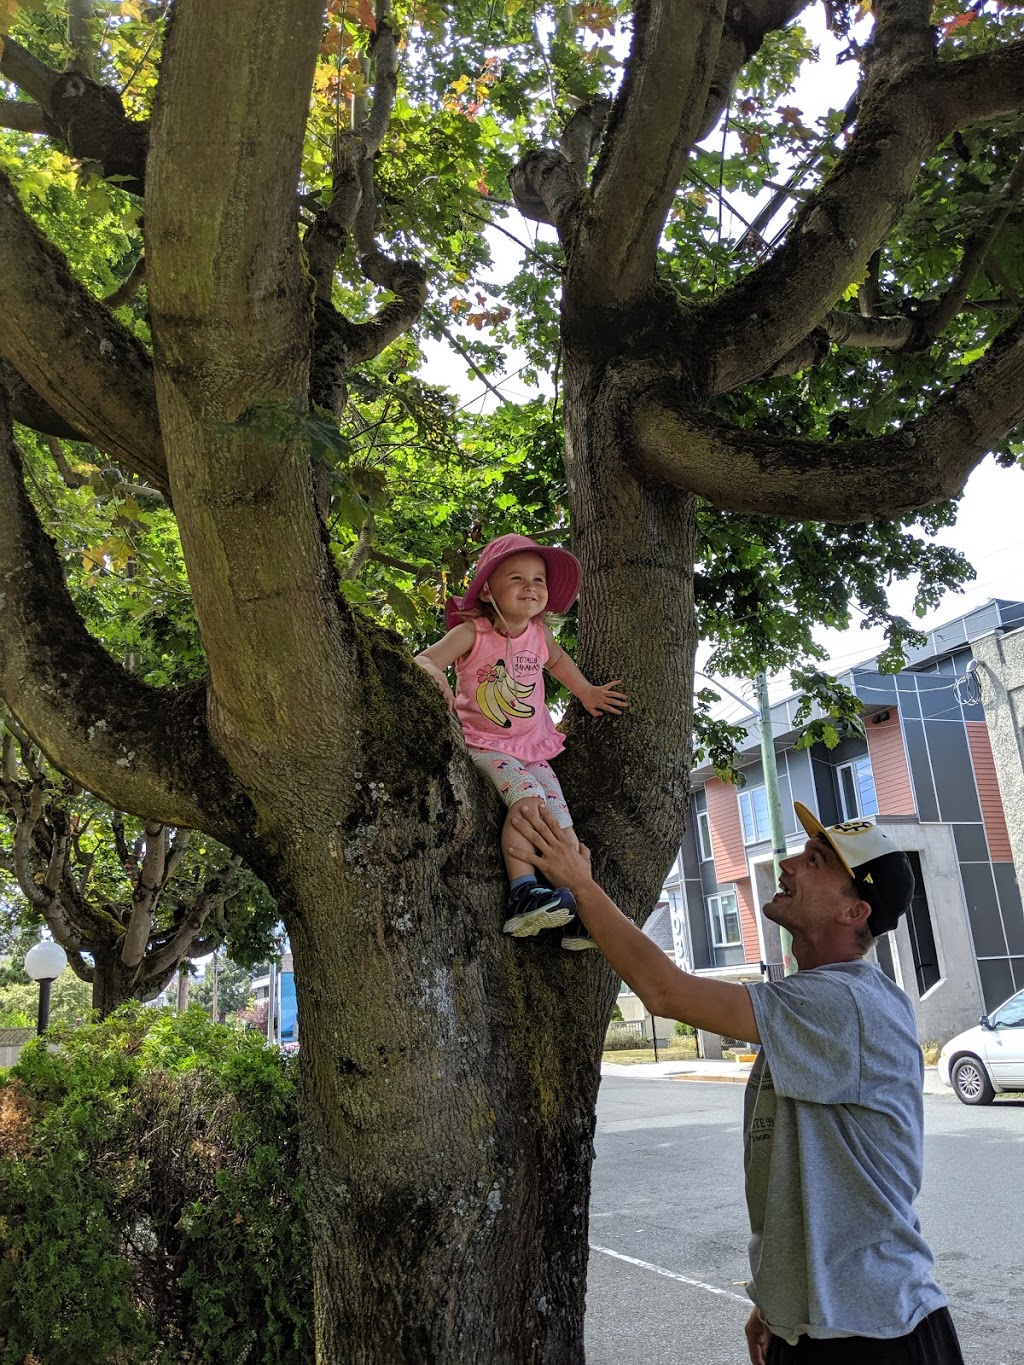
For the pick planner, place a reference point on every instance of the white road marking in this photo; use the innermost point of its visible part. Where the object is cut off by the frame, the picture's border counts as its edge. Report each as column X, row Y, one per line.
column 671, row 1274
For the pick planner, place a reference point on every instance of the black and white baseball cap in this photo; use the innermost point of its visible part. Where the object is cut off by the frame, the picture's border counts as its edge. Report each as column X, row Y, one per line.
column 881, row 872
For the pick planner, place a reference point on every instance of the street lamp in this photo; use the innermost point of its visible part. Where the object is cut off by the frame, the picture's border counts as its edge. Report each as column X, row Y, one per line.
column 44, row 962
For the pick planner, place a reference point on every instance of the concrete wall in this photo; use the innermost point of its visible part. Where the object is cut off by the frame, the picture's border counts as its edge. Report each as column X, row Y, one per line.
column 1001, row 675
column 632, row 1008
column 954, row 1002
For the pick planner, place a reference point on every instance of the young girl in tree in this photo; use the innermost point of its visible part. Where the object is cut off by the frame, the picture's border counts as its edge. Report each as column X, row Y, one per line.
column 499, row 642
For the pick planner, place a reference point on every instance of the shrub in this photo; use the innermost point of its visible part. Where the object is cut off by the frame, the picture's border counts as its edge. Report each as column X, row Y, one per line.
column 151, row 1208
column 685, row 1030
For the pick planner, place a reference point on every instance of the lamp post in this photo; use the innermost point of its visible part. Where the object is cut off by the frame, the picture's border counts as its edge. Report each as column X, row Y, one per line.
column 44, row 962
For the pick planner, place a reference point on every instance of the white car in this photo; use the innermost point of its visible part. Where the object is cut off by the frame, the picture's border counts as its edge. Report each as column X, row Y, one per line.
column 983, row 1061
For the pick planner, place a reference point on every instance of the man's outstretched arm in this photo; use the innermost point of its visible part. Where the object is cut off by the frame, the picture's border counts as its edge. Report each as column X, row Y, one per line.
column 717, row 1006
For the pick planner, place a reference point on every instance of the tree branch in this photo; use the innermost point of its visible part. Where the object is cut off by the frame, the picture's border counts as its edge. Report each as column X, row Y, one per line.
column 408, row 282
column 581, row 137
column 93, row 719
column 352, row 189
column 924, row 462
column 978, row 89
column 230, row 311
column 148, row 886
column 745, row 29
column 364, row 547
column 868, row 294
column 975, row 251
column 833, row 236
column 107, row 488
column 28, row 73
column 30, row 410
column 546, row 189
column 72, row 351
column 129, row 286
column 338, row 344
column 80, row 15
column 22, row 116
column 657, row 116
column 88, row 118
column 853, row 329
column 218, row 889
column 907, row 105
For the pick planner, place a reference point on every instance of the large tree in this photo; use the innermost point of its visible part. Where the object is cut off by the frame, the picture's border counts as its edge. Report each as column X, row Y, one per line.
column 450, row 1074
column 130, row 901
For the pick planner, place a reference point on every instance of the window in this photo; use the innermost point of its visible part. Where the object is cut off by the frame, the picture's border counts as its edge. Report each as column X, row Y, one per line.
column 1012, row 1013
column 754, row 814
column 704, row 836
column 922, row 937
column 856, row 789
column 724, row 914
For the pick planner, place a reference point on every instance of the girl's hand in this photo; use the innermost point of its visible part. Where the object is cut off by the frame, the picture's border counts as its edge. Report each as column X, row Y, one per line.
column 604, row 700
column 440, row 681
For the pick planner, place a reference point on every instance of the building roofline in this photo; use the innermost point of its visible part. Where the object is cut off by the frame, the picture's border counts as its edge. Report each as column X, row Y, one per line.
column 998, row 614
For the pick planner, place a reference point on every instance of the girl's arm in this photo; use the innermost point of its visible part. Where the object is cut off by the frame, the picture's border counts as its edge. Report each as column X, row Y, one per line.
column 441, row 656
column 596, row 700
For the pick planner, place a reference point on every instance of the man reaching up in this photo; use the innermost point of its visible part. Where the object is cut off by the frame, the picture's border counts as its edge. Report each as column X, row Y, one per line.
column 833, row 1111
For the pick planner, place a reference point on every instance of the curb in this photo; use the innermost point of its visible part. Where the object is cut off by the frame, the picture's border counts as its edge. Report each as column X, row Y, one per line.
column 696, row 1076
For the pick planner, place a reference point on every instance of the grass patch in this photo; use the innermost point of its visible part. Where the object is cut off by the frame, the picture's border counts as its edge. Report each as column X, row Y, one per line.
column 679, row 1050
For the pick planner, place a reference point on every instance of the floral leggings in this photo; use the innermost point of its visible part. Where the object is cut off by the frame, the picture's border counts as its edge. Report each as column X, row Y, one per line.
column 515, row 780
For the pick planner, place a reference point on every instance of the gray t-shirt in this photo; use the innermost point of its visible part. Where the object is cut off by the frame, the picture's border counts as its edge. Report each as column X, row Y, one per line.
column 833, row 1137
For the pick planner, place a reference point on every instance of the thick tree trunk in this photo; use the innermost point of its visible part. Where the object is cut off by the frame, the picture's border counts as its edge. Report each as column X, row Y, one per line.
column 449, row 1080
column 113, row 983
column 450, row 1074
column 637, row 540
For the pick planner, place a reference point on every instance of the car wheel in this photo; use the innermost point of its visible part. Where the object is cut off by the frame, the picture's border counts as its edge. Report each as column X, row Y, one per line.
column 971, row 1082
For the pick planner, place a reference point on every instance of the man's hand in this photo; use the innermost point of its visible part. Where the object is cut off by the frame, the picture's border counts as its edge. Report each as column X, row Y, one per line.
column 758, row 1335
column 538, row 838
column 604, row 700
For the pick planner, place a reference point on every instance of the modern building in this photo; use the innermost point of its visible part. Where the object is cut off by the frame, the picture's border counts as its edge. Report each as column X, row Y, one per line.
column 940, row 766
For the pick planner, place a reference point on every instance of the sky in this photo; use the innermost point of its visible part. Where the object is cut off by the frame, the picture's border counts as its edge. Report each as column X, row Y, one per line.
column 990, row 524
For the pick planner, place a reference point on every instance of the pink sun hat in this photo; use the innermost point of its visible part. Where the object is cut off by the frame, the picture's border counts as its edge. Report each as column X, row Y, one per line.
column 563, row 570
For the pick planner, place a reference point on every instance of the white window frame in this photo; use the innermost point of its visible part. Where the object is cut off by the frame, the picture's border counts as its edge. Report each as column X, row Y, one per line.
column 717, row 920
column 704, row 846
column 759, row 836
column 851, row 768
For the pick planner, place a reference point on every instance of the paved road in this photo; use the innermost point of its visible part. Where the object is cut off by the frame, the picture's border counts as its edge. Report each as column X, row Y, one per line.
column 668, row 1224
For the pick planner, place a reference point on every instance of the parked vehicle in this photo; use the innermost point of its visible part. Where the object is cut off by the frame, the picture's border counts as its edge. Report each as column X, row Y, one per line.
column 988, row 1059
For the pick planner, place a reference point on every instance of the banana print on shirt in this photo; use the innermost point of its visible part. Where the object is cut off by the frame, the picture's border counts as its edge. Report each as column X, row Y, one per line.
column 500, row 696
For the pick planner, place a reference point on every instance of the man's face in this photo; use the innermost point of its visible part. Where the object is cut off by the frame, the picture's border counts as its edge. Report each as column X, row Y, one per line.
column 813, row 887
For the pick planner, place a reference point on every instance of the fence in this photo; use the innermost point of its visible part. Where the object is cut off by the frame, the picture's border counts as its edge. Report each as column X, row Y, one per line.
column 626, row 1034
column 12, row 1040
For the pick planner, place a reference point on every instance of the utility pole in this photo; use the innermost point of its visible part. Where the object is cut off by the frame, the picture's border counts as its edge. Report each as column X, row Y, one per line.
column 214, row 1002
column 272, row 1006
column 771, row 791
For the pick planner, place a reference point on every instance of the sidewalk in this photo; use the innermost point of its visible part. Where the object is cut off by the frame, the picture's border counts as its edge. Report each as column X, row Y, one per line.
column 737, row 1072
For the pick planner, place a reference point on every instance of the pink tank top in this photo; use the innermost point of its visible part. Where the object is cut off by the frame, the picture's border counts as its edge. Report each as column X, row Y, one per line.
column 499, row 696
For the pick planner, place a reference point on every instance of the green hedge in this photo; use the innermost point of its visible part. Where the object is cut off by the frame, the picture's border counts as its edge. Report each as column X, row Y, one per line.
column 151, row 1209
